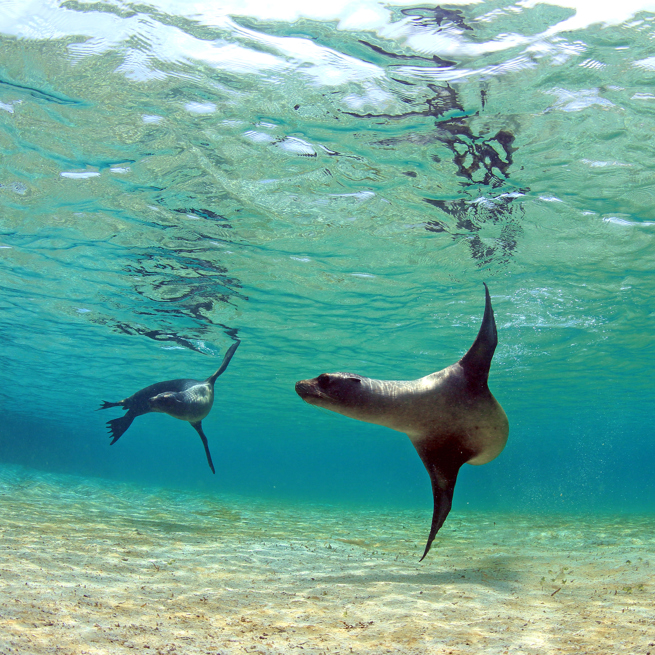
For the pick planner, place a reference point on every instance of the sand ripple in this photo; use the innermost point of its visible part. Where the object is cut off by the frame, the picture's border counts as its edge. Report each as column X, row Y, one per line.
column 91, row 568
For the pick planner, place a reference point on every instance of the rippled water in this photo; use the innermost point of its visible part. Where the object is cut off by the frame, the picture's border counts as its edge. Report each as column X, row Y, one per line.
column 331, row 185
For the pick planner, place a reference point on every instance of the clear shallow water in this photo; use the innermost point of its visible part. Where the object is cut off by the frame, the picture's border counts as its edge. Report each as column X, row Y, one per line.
column 333, row 188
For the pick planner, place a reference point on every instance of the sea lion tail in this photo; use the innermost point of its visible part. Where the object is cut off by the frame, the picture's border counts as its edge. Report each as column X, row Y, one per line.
column 477, row 361
column 118, row 426
column 226, row 360
column 105, row 404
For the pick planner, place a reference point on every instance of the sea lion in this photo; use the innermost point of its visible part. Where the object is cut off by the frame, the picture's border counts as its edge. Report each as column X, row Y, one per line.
column 188, row 400
column 450, row 416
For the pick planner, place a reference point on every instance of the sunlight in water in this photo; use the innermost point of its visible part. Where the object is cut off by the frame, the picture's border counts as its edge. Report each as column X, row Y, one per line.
column 331, row 184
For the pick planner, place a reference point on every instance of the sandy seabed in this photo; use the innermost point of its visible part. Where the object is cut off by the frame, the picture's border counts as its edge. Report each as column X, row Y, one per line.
column 94, row 567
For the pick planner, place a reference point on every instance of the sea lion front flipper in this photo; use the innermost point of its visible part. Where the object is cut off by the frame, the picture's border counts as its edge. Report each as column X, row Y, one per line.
column 198, row 427
column 477, row 361
column 442, row 461
column 226, row 360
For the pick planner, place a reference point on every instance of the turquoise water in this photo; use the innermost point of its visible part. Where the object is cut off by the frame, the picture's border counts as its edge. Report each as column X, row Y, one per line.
column 331, row 186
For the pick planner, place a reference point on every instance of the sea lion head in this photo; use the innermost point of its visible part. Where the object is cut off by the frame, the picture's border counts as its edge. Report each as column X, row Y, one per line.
column 344, row 393
column 168, row 402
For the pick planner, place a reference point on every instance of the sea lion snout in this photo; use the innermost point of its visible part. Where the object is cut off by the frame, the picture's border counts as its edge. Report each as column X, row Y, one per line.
column 306, row 389
column 330, row 387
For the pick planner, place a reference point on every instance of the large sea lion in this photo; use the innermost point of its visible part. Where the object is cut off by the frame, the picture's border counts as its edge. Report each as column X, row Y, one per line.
column 188, row 400
column 450, row 416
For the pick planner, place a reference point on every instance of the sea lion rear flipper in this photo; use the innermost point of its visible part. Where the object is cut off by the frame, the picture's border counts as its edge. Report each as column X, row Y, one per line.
column 442, row 462
column 105, row 405
column 198, row 427
column 118, row 426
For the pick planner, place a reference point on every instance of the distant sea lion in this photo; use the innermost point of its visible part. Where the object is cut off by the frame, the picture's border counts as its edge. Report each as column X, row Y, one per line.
column 450, row 416
column 188, row 400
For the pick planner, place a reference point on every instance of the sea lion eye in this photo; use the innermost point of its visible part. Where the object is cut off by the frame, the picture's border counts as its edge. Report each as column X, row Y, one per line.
column 353, row 379
column 323, row 379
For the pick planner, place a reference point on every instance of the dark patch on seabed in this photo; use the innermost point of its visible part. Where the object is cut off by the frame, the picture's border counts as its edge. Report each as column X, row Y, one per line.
column 100, row 567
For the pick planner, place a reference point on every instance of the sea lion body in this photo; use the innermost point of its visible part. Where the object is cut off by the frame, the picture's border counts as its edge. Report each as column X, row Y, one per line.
column 184, row 399
column 143, row 401
column 450, row 416
column 433, row 407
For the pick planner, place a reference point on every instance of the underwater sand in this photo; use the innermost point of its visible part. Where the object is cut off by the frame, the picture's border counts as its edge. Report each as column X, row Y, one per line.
column 93, row 567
